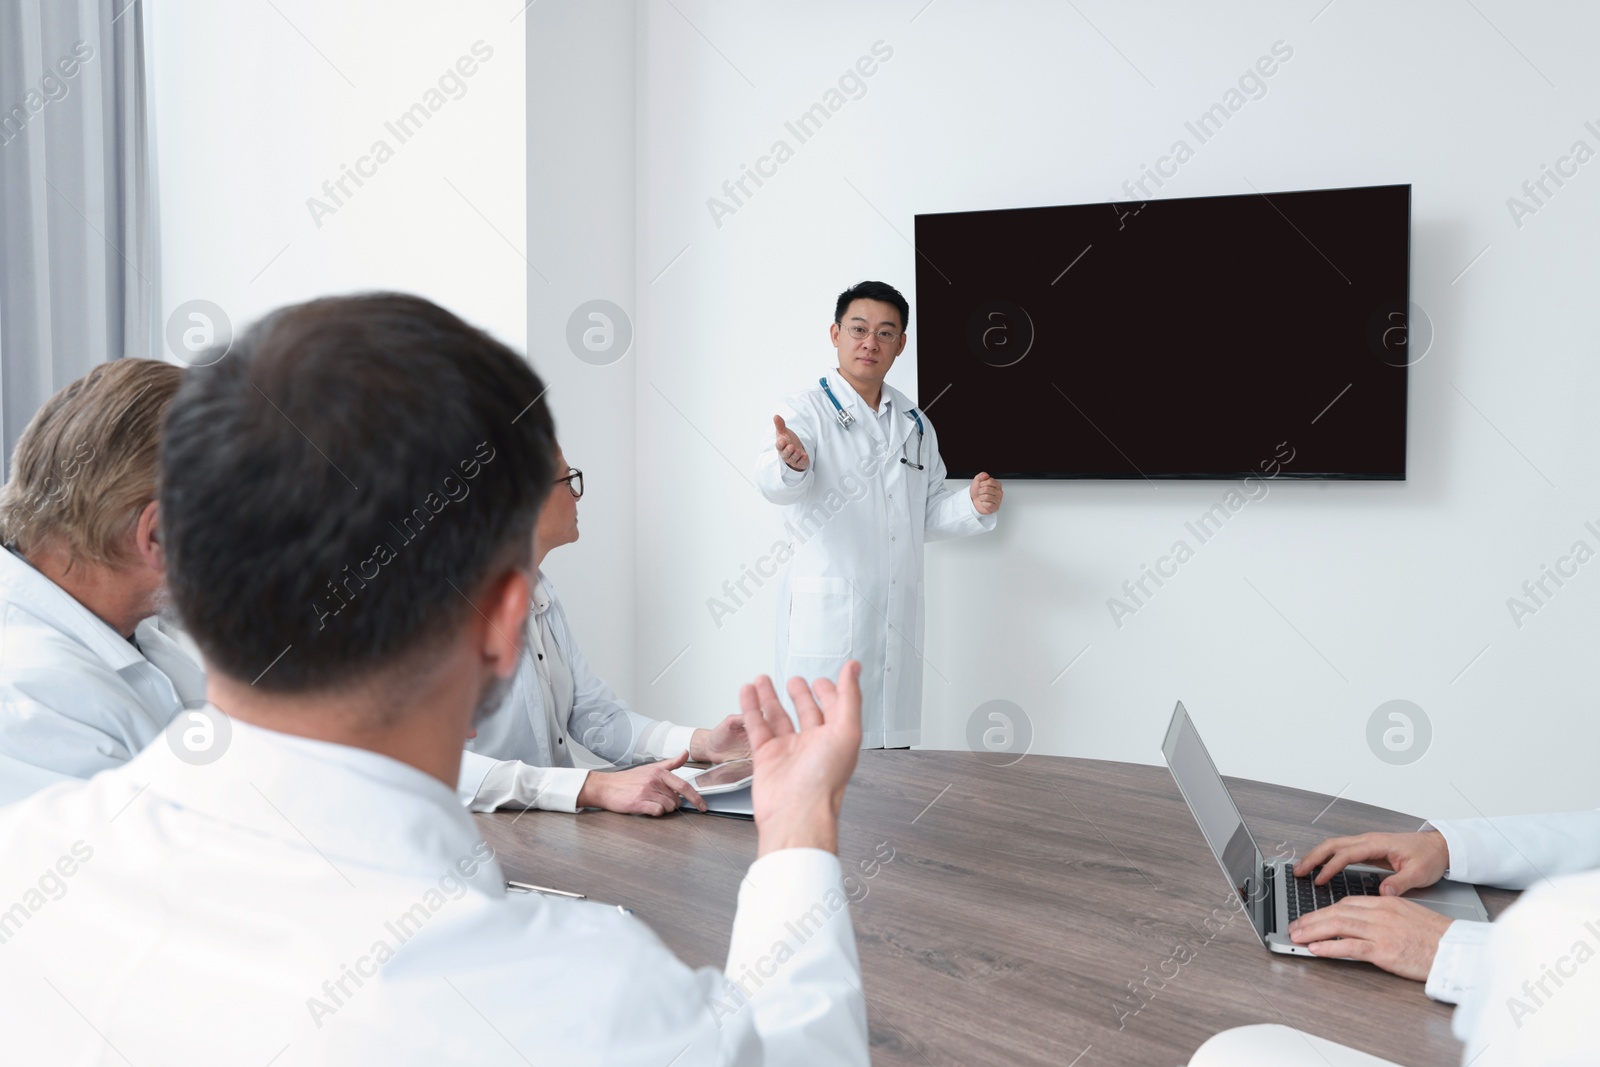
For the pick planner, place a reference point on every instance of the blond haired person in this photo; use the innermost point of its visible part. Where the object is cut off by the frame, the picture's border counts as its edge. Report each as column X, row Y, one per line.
column 88, row 676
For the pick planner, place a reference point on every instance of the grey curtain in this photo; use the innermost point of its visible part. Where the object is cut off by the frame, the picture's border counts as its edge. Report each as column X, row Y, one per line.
column 77, row 240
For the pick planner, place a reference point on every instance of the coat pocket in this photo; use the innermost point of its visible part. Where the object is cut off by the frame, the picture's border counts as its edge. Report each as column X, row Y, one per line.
column 821, row 616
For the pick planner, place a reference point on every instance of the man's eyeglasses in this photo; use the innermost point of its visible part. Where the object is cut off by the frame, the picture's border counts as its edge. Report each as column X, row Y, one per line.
column 885, row 337
column 574, row 482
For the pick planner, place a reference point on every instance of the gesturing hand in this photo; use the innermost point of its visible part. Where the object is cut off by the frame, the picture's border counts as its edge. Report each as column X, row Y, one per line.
column 800, row 775
column 1401, row 936
column 648, row 790
column 790, row 449
column 1416, row 859
column 986, row 494
column 727, row 741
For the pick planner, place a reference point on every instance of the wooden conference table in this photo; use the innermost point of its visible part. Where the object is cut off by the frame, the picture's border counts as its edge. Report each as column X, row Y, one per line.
column 1020, row 908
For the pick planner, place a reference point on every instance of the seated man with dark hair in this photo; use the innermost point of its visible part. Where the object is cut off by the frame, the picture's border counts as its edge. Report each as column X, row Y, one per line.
column 306, row 888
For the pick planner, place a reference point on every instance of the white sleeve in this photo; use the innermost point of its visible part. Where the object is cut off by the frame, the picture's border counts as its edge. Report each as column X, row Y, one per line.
column 777, row 481
column 663, row 740
column 1536, row 1004
column 950, row 511
column 1516, row 851
column 487, row 785
column 793, row 962
column 1459, row 961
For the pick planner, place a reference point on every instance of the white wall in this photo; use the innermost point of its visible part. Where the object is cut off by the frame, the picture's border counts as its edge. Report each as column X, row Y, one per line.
column 1398, row 586
column 581, row 230
column 257, row 105
column 637, row 114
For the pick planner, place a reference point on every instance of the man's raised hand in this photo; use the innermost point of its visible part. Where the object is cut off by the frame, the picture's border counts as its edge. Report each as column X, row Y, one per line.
column 790, row 450
column 800, row 775
column 986, row 494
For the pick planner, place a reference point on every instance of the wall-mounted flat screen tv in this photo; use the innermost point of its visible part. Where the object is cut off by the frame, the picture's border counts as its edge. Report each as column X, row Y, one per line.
column 1205, row 337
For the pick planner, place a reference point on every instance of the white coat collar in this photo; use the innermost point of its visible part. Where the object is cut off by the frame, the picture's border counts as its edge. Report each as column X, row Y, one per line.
column 899, row 404
column 24, row 589
column 361, row 810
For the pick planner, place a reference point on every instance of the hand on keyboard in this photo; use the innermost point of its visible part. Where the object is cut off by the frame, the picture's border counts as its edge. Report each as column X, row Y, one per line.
column 1417, row 859
column 1401, row 936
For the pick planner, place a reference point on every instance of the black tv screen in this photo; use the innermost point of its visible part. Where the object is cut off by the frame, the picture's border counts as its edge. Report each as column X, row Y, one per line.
column 1205, row 337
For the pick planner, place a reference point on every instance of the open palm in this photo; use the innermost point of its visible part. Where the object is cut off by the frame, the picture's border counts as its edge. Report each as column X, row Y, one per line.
column 800, row 775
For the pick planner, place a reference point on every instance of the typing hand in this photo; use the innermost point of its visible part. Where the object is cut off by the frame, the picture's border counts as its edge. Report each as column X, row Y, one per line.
column 790, row 449
column 1401, row 936
column 986, row 494
column 1416, row 859
column 648, row 790
column 729, row 740
column 800, row 775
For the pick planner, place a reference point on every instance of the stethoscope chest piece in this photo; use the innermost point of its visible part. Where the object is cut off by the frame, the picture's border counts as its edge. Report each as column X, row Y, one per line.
column 846, row 420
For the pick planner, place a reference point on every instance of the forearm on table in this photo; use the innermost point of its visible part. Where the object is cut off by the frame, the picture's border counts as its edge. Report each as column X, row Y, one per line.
column 664, row 740
column 514, row 784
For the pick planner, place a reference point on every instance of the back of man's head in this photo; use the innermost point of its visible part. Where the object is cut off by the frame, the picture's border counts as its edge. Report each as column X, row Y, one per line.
column 85, row 466
column 337, row 487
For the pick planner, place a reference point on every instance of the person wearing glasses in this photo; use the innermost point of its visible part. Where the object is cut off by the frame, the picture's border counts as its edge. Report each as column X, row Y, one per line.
column 856, row 467
column 559, row 737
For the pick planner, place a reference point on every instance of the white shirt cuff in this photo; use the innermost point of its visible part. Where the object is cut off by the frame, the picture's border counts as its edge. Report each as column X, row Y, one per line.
column 1455, row 848
column 987, row 522
column 1459, row 960
column 664, row 740
column 790, row 475
column 514, row 784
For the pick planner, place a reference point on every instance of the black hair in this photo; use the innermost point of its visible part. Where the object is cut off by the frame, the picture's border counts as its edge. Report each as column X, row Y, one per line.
column 336, row 487
column 873, row 291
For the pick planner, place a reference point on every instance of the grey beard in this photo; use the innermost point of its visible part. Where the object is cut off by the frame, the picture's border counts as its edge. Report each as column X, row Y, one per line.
column 493, row 695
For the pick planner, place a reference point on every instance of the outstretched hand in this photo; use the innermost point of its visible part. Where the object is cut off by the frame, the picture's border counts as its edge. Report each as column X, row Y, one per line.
column 800, row 775
column 790, row 450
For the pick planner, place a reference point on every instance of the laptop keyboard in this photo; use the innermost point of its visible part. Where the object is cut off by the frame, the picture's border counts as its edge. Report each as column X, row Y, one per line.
column 1303, row 896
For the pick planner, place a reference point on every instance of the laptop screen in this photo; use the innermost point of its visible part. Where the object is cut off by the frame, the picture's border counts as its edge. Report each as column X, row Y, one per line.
column 1214, row 810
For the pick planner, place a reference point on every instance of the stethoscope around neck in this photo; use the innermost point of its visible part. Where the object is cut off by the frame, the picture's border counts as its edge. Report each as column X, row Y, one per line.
column 846, row 420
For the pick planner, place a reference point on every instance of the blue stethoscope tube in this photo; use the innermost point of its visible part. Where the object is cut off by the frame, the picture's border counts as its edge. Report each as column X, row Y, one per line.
column 846, row 420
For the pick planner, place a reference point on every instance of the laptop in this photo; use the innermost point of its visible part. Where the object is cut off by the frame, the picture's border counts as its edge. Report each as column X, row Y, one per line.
column 1271, row 895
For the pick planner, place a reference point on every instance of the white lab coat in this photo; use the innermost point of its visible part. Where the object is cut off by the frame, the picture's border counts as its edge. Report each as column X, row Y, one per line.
column 76, row 697
column 1511, row 852
column 1539, row 1002
column 855, row 521
column 525, row 755
column 298, row 902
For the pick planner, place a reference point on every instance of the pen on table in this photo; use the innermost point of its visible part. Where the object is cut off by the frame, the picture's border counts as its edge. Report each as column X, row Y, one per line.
column 528, row 887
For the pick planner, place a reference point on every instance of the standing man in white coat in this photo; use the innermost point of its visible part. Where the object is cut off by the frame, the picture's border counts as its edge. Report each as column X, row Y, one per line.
column 309, row 891
column 88, row 673
column 857, row 468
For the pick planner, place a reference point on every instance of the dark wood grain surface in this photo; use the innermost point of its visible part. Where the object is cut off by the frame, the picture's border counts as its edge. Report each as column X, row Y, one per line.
column 1028, row 913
